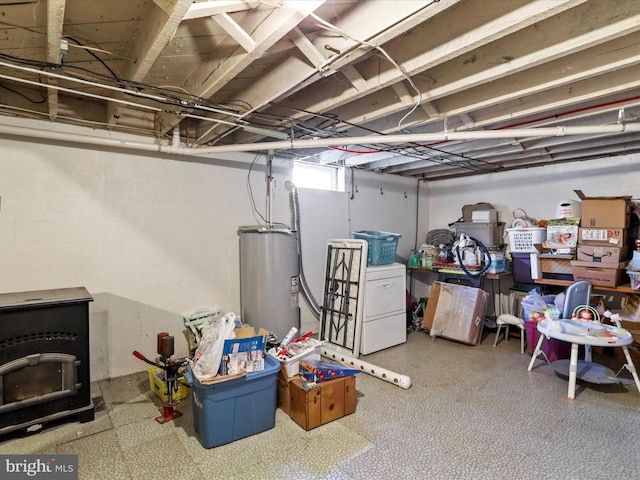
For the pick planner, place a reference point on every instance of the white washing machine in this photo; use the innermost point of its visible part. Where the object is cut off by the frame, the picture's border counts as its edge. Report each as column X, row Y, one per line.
column 384, row 323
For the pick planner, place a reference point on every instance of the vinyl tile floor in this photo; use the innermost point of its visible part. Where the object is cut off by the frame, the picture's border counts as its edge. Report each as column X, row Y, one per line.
column 472, row 412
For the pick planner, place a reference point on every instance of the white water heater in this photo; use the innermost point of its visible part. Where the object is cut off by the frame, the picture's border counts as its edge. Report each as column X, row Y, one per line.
column 269, row 278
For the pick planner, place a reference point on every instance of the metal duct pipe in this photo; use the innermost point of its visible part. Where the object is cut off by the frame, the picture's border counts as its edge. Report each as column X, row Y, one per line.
column 295, row 225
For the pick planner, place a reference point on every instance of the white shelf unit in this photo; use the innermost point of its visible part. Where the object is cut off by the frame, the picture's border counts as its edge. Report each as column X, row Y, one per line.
column 384, row 323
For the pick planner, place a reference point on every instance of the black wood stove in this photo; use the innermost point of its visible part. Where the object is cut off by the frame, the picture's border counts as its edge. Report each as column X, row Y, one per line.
column 44, row 358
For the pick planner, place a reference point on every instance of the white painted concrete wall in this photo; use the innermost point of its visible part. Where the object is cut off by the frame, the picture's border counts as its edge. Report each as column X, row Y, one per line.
column 379, row 202
column 153, row 238
column 537, row 190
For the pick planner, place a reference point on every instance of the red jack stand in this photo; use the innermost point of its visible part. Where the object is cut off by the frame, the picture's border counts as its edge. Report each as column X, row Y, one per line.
column 170, row 367
column 168, row 413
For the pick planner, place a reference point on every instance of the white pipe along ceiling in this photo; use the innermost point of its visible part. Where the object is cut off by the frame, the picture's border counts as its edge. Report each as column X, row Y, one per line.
column 426, row 89
column 173, row 148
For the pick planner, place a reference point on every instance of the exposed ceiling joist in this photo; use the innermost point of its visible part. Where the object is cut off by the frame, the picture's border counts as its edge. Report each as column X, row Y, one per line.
column 217, row 7
column 348, row 75
column 235, row 31
column 55, row 23
column 153, row 37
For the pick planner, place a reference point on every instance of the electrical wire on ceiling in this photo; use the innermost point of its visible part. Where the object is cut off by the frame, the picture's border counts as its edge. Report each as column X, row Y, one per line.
column 28, row 113
column 182, row 103
column 169, row 101
column 126, row 87
column 185, row 101
column 42, row 100
column 406, row 151
column 378, row 48
column 77, row 42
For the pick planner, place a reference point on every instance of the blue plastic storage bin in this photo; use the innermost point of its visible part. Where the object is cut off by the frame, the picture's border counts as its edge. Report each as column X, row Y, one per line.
column 382, row 246
column 227, row 411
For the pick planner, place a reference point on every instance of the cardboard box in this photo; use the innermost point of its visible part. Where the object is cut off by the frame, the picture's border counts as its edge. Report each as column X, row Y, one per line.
column 605, row 256
column 328, row 401
column 599, row 276
column 555, row 263
column 631, row 325
column 245, row 353
column 579, row 263
column 617, row 237
column 469, row 210
column 608, row 212
column 562, row 236
column 456, row 312
column 430, row 307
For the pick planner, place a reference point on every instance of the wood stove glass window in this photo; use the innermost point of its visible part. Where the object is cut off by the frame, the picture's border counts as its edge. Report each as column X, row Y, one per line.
column 37, row 378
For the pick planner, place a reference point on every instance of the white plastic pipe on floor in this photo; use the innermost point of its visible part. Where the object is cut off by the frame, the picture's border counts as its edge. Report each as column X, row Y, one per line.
column 402, row 381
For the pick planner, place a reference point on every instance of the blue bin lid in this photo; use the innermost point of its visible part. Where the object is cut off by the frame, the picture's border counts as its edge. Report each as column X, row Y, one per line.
column 271, row 366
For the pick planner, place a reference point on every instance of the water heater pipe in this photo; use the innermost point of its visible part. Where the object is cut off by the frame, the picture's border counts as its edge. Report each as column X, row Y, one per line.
column 295, row 225
column 269, row 175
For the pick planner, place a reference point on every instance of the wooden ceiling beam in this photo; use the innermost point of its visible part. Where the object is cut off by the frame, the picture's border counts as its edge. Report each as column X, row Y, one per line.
column 157, row 32
column 471, row 38
column 55, row 24
column 565, row 98
column 308, row 49
column 385, row 21
column 493, row 86
column 235, row 31
column 211, row 77
column 217, row 7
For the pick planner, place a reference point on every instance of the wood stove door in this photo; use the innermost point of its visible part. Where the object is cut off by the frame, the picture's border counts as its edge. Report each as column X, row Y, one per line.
column 44, row 357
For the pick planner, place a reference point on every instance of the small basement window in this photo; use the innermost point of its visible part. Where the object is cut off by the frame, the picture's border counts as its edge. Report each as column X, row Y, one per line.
column 320, row 177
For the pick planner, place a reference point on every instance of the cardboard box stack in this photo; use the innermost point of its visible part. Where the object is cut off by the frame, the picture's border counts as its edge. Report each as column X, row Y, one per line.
column 559, row 248
column 604, row 240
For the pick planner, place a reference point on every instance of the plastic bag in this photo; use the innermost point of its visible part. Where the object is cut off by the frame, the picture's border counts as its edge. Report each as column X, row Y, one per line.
column 534, row 305
column 209, row 352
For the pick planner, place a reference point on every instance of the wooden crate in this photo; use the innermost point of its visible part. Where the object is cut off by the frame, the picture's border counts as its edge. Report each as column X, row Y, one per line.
column 328, row 401
column 284, row 401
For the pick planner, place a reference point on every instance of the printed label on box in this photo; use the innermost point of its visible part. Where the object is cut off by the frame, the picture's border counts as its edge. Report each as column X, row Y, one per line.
column 609, row 236
column 559, row 236
column 242, row 362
